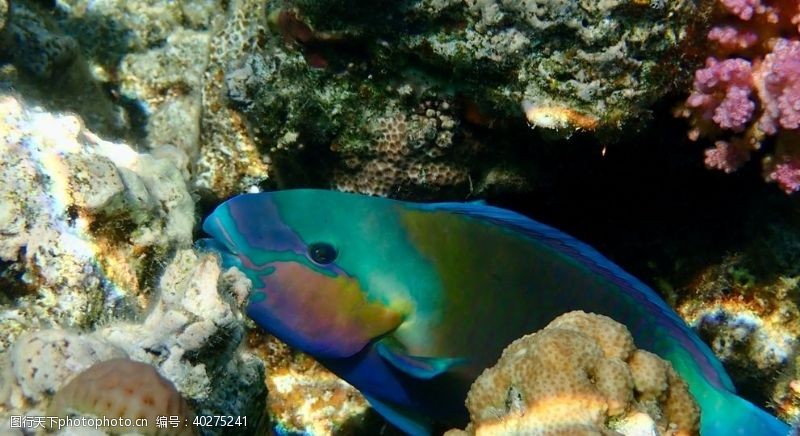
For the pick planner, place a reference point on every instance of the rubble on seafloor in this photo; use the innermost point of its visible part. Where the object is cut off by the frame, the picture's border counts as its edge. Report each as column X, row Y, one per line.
column 580, row 375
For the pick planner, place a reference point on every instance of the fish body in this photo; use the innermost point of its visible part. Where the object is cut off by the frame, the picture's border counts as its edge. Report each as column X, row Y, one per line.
column 410, row 302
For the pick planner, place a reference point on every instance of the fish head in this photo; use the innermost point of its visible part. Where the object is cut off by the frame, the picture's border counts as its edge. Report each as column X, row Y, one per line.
column 295, row 246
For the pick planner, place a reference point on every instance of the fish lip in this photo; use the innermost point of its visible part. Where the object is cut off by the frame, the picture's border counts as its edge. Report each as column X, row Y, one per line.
column 214, row 227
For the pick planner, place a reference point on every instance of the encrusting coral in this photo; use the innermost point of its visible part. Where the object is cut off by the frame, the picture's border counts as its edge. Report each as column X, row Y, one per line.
column 192, row 335
column 324, row 85
column 229, row 159
column 580, row 375
column 306, row 398
column 401, row 156
column 85, row 221
column 751, row 322
column 124, row 389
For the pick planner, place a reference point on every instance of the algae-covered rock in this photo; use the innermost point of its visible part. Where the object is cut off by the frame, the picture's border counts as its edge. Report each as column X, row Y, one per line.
column 85, row 222
column 385, row 97
column 306, row 398
column 600, row 61
column 192, row 336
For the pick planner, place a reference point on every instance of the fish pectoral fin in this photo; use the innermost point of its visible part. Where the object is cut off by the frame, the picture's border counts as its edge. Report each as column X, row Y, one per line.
column 414, row 424
column 416, row 366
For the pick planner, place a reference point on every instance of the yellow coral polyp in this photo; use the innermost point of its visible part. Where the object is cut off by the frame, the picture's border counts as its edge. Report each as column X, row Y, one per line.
column 557, row 118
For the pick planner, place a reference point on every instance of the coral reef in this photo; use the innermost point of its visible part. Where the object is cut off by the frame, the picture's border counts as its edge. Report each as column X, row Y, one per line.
column 124, row 389
column 193, row 333
column 34, row 45
column 95, row 236
column 552, row 54
column 304, row 397
column 85, row 222
column 232, row 103
column 748, row 90
column 394, row 98
column 155, row 55
column 229, row 160
column 786, row 395
column 192, row 336
column 751, row 325
column 167, row 82
column 581, row 374
column 401, row 156
column 358, row 94
column 134, row 71
column 47, row 66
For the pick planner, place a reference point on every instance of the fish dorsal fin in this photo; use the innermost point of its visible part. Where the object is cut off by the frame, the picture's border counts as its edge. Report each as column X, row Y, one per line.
column 424, row 368
column 587, row 256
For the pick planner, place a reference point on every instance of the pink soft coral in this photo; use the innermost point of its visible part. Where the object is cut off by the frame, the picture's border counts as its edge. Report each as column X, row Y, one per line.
column 744, row 9
column 779, row 86
column 722, row 93
column 749, row 90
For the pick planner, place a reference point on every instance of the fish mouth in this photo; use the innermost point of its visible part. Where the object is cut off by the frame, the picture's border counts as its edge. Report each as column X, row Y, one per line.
column 220, row 241
column 220, row 238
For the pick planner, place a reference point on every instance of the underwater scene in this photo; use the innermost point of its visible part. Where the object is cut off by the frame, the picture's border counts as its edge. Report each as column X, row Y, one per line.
column 400, row 217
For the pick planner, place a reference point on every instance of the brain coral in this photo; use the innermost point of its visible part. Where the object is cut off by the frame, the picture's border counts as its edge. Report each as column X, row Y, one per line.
column 582, row 374
column 123, row 388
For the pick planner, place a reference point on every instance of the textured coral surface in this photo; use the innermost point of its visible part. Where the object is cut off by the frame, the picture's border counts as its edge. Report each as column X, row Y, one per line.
column 126, row 389
column 387, row 99
column 575, row 376
column 306, row 398
column 97, row 265
column 85, row 221
column 748, row 92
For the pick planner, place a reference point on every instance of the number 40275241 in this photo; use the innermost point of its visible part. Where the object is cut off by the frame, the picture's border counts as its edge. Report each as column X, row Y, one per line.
column 220, row 421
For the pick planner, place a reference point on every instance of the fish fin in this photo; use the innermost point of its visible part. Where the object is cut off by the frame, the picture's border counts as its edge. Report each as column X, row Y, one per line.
column 729, row 414
column 414, row 424
column 211, row 245
column 587, row 256
column 416, row 366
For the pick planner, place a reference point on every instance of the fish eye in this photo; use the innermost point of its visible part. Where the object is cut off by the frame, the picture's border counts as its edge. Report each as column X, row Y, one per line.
column 322, row 253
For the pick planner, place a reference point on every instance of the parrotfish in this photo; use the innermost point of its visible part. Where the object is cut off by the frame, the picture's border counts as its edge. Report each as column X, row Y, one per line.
column 409, row 302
